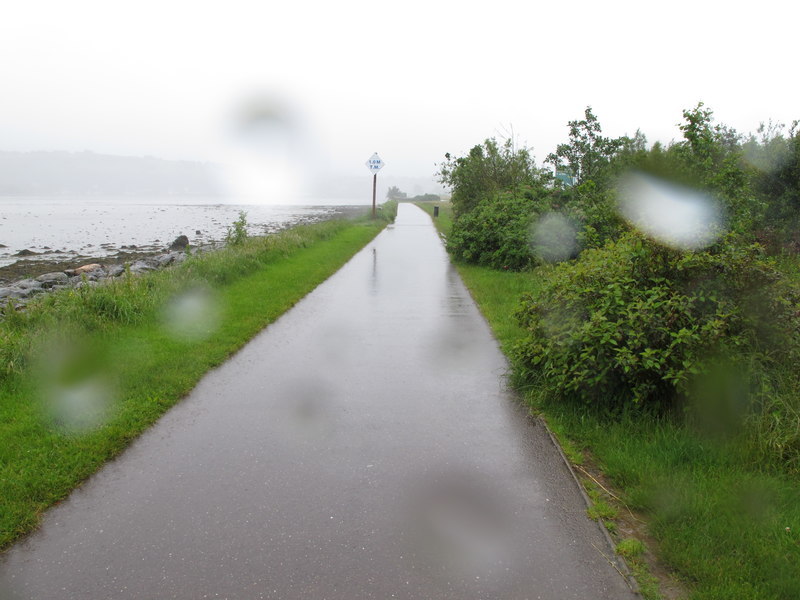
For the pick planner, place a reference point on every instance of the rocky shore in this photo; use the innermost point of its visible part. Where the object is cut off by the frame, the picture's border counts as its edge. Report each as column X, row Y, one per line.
column 38, row 272
column 91, row 274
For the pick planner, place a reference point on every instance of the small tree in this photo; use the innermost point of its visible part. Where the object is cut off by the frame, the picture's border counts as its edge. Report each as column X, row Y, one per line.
column 237, row 233
column 587, row 154
column 394, row 193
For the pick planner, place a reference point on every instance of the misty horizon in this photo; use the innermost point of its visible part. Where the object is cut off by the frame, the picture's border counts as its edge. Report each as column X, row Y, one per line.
column 92, row 174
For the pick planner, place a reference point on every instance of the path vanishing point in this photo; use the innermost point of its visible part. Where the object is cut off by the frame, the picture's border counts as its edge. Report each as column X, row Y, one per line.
column 362, row 446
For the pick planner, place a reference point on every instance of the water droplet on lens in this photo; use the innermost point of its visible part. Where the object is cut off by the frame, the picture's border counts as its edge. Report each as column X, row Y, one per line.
column 674, row 215
column 80, row 406
column 192, row 315
column 266, row 153
column 554, row 238
column 460, row 530
column 76, row 383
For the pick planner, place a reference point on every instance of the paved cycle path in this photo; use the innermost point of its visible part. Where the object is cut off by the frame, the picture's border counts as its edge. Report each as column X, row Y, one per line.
column 362, row 446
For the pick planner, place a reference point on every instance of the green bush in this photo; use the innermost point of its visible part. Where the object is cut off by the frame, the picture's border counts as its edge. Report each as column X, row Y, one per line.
column 497, row 232
column 487, row 169
column 237, row 233
column 636, row 323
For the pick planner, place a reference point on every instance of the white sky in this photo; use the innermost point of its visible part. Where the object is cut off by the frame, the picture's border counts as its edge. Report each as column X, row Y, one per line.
column 409, row 79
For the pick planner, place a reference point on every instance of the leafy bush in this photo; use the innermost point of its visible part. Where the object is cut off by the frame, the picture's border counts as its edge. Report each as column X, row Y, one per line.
column 488, row 169
column 496, row 232
column 237, row 233
column 594, row 209
column 634, row 322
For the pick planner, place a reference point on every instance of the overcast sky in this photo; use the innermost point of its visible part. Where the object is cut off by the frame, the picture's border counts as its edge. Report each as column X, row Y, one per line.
column 336, row 81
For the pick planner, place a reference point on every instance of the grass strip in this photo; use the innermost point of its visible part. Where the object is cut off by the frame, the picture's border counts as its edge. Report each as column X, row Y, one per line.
column 145, row 342
column 727, row 525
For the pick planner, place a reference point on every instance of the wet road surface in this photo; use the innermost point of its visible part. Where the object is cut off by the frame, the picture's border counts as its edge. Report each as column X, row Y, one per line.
column 363, row 446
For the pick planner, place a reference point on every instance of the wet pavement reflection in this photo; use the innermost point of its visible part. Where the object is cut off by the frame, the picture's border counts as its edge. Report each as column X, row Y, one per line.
column 363, row 446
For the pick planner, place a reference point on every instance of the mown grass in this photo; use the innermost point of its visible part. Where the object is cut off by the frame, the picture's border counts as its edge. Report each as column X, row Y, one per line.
column 85, row 371
column 726, row 522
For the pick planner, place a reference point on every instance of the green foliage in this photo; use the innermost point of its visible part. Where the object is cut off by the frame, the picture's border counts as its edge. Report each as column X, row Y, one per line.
column 387, row 211
column 634, row 322
column 630, row 548
column 426, row 198
column 497, row 231
column 601, row 510
column 588, row 154
column 775, row 160
column 711, row 158
column 237, row 233
column 594, row 209
column 593, row 160
column 487, row 170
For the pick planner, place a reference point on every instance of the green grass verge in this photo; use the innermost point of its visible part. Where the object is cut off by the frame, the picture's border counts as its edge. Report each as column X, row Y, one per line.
column 728, row 526
column 444, row 222
column 73, row 349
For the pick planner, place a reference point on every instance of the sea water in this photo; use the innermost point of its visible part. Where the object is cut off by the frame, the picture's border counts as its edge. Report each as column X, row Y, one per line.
column 61, row 228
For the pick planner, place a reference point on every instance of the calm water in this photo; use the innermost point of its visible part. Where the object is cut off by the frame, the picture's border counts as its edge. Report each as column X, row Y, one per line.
column 63, row 228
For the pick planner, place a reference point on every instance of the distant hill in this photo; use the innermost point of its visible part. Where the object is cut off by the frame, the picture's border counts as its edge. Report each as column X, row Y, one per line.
column 90, row 174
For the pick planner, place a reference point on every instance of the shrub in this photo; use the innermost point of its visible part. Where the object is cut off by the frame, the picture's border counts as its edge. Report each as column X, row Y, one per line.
column 634, row 322
column 237, row 233
column 496, row 233
column 486, row 170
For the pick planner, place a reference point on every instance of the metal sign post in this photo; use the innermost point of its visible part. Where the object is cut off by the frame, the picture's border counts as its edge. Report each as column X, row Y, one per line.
column 374, row 164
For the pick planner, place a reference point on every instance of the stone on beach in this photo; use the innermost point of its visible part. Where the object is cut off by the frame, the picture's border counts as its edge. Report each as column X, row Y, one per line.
column 26, row 284
column 116, row 270
column 179, row 243
column 9, row 293
column 141, row 266
column 88, row 268
column 52, row 279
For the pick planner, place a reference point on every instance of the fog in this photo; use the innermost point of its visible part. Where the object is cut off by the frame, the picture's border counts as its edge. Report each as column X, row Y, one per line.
column 88, row 174
column 313, row 89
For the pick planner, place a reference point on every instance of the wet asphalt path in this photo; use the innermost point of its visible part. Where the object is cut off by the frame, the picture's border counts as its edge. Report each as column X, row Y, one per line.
column 363, row 446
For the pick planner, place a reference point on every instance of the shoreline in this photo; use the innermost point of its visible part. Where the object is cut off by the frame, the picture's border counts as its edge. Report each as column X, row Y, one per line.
column 35, row 265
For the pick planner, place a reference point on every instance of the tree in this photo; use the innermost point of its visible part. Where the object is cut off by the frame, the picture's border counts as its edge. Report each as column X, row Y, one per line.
column 485, row 171
column 775, row 160
column 592, row 159
column 394, row 193
column 710, row 157
column 587, row 154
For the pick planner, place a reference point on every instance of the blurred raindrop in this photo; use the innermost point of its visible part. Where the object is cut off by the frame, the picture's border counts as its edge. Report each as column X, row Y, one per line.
column 266, row 153
column 306, row 411
column 554, row 238
column 80, row 406
column 193, row 315
column 461, row 529
column 76, row 384
column 673, row 215
column 753, row 501
column 720, row 400
column 671, row 500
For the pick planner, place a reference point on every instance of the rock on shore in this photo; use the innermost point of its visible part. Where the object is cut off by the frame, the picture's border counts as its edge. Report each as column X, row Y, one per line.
column 90, row 274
